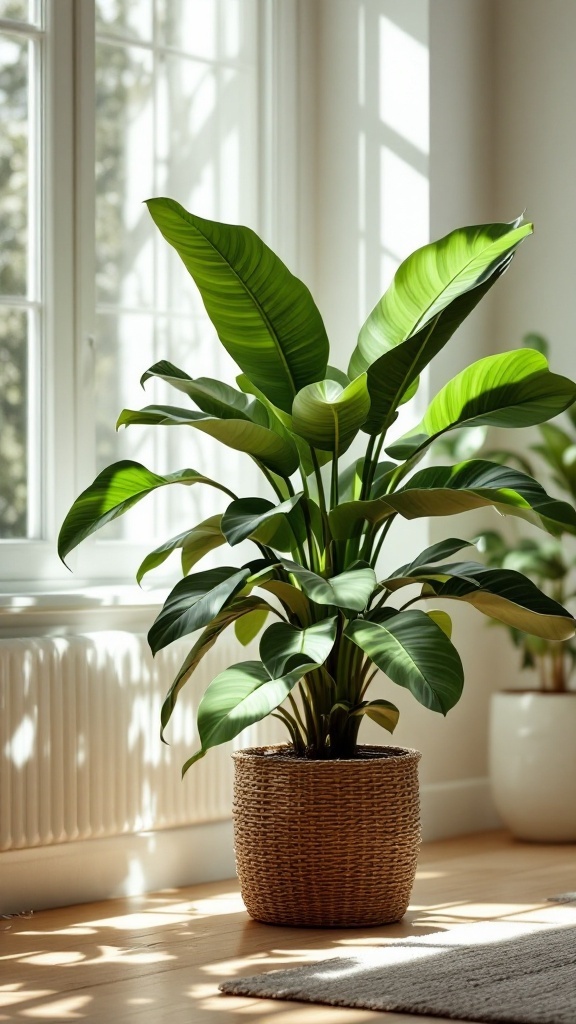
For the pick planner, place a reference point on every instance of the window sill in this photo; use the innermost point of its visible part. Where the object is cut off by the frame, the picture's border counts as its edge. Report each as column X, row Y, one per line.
column 65, row 610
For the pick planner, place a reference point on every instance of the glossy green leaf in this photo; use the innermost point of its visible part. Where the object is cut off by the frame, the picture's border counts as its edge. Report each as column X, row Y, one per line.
column 265, row 445
column 414, row 652
column 248, row 627
column 344, row 518
column 281, row 422
column 448, row 490
column 115, row 490
column 283, row 646
column 392, row 377
column 244, row 517
column 194, row 545
column 265, row 317
column 513, row 389
column 240, row 696
column 193, row 602
column 292, row 598
column 429, row 281
column 382, row 712
column 328, row 416
column 441, row 619
column 435, row 553
column 242, row 607
column 213, row 397
column 502, row 594
column 350, row 590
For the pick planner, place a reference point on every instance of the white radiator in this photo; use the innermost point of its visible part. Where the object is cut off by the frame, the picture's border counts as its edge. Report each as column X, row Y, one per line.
column 80, row 750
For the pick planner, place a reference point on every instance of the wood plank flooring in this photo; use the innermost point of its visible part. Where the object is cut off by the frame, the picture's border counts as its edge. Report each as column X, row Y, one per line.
column 161, row 957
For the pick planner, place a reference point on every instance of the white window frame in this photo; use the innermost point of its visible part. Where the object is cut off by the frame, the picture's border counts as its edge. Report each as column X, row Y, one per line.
column 32, row 566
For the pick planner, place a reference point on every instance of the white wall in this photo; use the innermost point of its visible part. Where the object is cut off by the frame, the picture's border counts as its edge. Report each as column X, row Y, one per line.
column 535, row 131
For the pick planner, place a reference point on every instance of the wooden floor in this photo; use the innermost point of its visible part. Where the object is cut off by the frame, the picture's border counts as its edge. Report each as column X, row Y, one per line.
column 160, row 957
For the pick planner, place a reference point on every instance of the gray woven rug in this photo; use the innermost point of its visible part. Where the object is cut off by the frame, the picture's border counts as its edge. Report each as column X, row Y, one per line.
column 482, row 973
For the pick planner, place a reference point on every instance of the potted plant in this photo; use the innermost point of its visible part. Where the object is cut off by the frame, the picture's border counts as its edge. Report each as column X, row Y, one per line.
column 531, row 737
column 326, row 830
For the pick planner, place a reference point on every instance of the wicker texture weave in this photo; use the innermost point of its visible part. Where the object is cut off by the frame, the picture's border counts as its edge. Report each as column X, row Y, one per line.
column 326, row 843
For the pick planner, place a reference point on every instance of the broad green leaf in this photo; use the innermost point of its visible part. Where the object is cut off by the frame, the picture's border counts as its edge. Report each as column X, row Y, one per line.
column 435, row 553
column 213, row 397
column 194, row 544
column 333, row 373
column 264, row 445
column 115, row 490
column 429, row 280
column 350, row 590
column 264, row 316
column 244, row 517
column 283, row 646
column 281, row 422
column 193, row 602
column 382, row 712
column 448, row 490
column 502, row 594
column 513, row 389
column 441, row 619
column 240, row 696
column 328, row 416
column 414, row 652
column 392, row 378
column 344, row 518
column 248, row 627
column 292, row 598
column 235, row 611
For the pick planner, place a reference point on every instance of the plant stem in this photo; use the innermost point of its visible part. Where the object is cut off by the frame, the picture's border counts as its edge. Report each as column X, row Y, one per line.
column 373, row 558
column 319, row 483
column 366, row 469
column 334, row 492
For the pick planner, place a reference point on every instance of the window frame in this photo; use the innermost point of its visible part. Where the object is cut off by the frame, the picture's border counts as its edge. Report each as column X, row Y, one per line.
column 67, row 368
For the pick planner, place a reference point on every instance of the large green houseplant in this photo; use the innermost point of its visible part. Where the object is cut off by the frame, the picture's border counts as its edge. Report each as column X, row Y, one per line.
column 318, row 535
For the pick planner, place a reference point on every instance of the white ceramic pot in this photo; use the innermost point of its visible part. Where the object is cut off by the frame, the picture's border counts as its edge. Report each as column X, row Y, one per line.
column 532, row 755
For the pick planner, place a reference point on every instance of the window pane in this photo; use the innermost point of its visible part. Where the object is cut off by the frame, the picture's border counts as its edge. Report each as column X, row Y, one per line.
column 128, row 18
column 179, row 124
column 124, row 163
column 16, row 10
column 210, row 29
column 13, row 423
column 13, row 164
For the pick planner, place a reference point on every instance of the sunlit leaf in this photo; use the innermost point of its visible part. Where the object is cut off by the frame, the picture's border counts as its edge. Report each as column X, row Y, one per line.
column 265, row 317
column 263, row 444
column 115, row 490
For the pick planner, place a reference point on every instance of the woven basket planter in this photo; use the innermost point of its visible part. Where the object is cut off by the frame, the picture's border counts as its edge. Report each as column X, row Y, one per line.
column 326, row 844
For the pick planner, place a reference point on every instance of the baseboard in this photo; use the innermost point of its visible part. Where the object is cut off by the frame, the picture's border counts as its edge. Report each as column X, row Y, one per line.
column 457, row 808
column 127, row 865
column 97, row 869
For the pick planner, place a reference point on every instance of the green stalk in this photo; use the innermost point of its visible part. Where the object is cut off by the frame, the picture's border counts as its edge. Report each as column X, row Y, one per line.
column 334, row 492
column 367, row 553
column 366, row 468
column 319, row 483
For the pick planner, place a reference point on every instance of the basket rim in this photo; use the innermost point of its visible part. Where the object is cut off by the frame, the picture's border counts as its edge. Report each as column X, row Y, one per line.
column 390, row 754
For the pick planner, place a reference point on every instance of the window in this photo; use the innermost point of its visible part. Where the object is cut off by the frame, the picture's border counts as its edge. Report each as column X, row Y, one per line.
column 104, row 104
column 21, row 312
